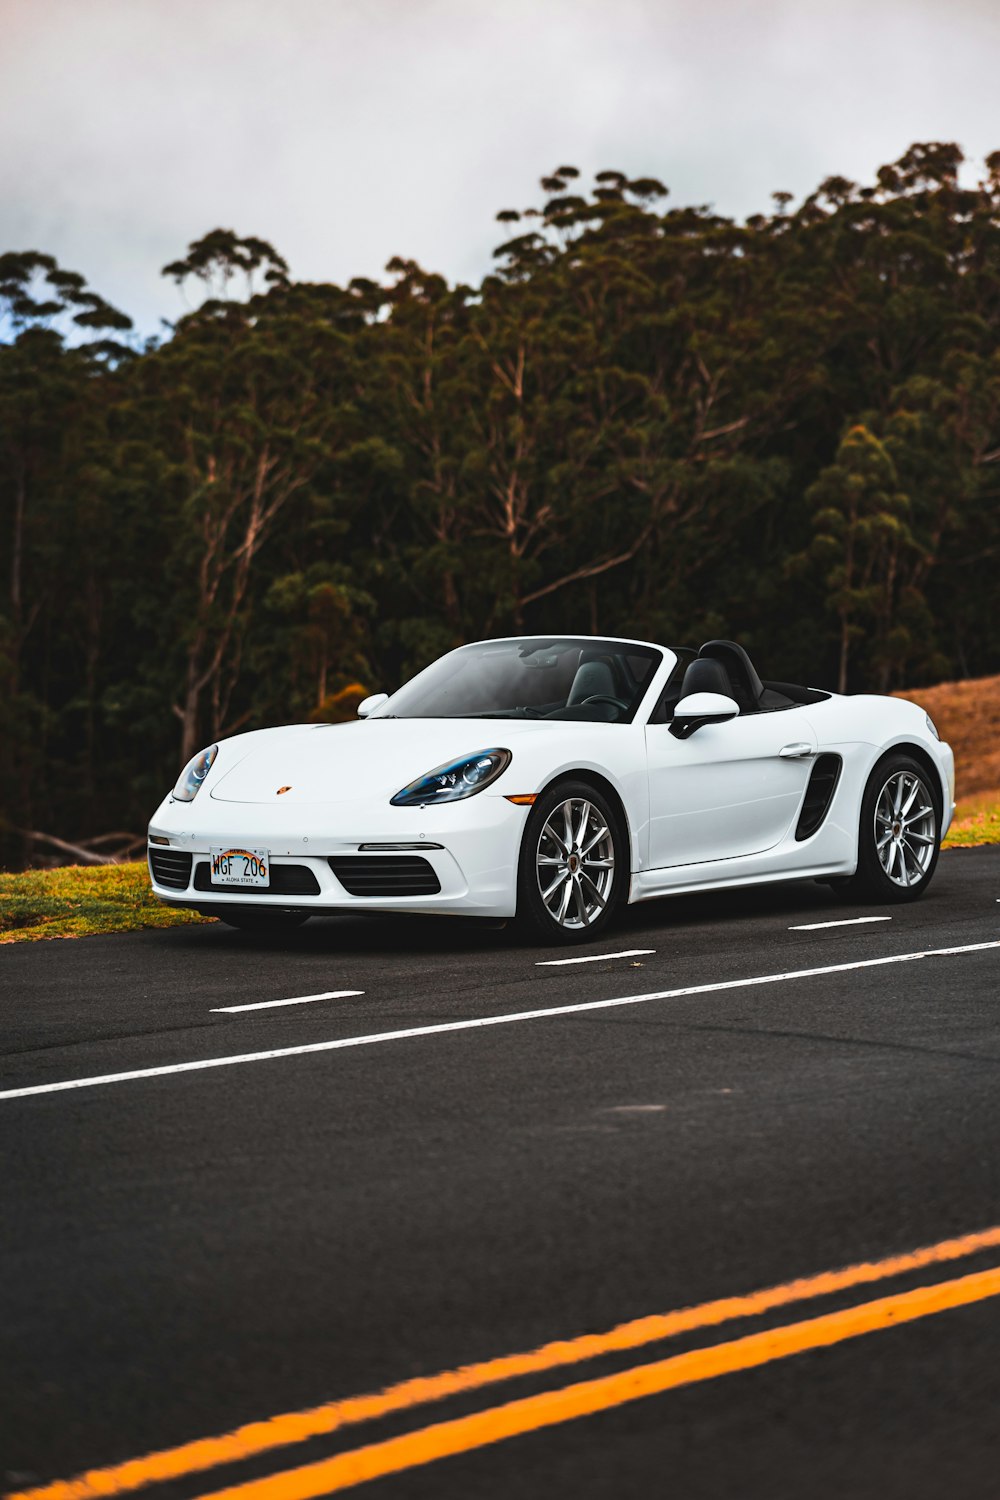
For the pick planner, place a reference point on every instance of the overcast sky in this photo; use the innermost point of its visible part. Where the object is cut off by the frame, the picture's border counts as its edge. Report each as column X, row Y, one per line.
column 347, row 131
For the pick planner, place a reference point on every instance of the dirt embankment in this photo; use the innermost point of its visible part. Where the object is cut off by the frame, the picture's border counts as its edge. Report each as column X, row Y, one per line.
column 967, row 715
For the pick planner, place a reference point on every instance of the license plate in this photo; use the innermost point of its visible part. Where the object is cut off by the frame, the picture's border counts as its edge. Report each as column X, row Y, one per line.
column 251, row 867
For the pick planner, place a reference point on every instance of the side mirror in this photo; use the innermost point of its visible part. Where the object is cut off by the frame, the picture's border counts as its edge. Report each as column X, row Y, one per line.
column 369, row 705
column 699, row 709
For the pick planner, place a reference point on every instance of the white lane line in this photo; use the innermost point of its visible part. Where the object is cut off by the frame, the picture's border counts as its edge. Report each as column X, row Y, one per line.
column 299, row 1000
column 591, row 958
column 508, row 1020
column 844, row 922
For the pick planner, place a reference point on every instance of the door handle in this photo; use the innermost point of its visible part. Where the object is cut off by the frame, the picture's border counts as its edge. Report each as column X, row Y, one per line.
column 796, row 752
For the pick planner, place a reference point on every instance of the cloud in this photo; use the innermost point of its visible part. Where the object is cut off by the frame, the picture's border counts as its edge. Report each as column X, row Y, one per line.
column 346, row 131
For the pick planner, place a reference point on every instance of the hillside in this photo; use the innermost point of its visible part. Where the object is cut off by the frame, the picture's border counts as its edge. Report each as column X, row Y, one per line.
column 967, row 715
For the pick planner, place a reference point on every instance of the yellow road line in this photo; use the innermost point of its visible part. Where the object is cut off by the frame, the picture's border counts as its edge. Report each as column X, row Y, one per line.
column 445, row 1439
column 293, row 1427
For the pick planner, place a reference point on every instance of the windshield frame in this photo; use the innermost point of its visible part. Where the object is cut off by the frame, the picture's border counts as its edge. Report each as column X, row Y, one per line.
column 662, row 662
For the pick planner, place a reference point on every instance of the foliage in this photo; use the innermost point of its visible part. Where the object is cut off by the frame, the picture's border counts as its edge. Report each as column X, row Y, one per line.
column 645, row 419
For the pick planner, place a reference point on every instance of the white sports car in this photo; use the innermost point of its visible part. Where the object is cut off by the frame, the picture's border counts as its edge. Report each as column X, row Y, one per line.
column 554, row 779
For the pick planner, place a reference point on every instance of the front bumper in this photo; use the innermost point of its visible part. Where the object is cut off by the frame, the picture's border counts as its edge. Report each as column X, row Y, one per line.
column 946, row 757
column 472, row 848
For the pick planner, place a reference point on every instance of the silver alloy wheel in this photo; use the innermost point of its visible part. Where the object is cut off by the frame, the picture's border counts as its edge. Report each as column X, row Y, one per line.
column 905, row 828
column 575, row 863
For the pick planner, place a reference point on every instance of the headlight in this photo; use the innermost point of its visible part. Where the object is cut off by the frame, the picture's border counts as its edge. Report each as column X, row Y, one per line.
column 932, row 726
column 194, row 773
column 458, row 779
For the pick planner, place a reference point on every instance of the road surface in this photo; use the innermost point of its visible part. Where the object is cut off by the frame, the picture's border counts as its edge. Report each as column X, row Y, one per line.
column 578, row 1199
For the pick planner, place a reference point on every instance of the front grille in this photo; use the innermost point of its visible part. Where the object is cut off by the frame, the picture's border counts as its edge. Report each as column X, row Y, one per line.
column 171, row 867
column 286, row 880
column 385, row 874
column 819, row 795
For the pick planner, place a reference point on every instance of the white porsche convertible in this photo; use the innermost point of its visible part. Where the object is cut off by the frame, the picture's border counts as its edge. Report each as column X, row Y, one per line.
column 554, row 779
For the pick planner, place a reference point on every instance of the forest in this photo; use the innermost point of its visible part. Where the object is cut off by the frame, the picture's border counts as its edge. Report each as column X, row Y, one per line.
column 646, row 420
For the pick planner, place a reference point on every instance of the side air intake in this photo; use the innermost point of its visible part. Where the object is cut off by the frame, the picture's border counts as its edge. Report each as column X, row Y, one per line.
column 384, row 874
column 819, row 795
column 170, row 867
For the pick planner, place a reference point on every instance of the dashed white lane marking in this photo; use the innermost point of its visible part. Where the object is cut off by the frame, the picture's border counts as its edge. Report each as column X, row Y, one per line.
column 299, row 1000
column 506, row 1020
column 636, row 1109
column 844, row 922
column 591, row 958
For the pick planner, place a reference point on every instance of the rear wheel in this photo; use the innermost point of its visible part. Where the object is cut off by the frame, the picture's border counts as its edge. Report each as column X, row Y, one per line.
column 900, row 834
column 263, row 923
column 574, row 865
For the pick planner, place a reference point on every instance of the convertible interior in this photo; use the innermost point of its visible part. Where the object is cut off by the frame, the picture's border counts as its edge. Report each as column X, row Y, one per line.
column 724, row 667
column 604, row 684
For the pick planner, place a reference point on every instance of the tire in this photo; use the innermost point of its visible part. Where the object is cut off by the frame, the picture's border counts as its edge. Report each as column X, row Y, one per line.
column 900, row 834
column 260, row 923
column 589, row 873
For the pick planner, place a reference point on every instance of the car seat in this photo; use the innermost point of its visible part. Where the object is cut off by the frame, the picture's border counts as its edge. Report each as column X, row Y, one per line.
column 592, row 678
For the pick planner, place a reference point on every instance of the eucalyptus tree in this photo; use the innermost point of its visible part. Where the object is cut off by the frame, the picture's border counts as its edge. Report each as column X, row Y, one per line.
column 863, row 543
column 247, row 406
column 416, row 402
column 58, row 339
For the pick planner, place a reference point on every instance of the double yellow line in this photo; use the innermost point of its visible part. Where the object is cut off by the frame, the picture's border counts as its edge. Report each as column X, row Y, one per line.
column 580, row 1399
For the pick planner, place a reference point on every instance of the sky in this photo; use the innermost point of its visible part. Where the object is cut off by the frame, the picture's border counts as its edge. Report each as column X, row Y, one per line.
column 349, row 131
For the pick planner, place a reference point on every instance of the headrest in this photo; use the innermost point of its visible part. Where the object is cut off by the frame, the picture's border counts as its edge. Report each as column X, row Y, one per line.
column 704, row 676
column 745, row 686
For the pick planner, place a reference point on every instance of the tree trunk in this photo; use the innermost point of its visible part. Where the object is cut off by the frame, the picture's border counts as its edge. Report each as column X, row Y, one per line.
column 452, row 610
column 16, row 579
column 188, row 715
column 844, row 648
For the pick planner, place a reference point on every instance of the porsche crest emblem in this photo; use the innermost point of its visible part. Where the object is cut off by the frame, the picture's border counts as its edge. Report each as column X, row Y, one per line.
column 282, row 789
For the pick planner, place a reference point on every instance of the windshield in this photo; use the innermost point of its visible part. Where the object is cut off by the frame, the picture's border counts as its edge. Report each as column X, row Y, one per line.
column 545, row 678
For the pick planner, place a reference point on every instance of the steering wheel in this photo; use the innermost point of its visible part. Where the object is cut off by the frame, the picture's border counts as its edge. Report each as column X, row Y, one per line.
column 605, row 698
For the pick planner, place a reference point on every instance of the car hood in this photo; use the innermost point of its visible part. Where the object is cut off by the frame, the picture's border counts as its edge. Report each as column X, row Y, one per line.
column 344, row 763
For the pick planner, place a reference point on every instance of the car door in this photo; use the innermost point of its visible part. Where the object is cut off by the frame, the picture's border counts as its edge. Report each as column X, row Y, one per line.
column 730, row 789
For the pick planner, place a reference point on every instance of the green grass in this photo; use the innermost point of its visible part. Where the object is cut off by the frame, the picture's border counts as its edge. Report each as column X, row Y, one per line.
column 77, row 900
column 977, row 821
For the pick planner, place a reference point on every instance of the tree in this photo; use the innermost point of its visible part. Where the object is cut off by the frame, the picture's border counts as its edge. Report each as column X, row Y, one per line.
column 863, row 542
column 51, row 397
column 244, row 404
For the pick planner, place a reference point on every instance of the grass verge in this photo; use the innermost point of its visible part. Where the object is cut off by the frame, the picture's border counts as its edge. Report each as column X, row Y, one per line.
column 77, row 900
column 976, row 822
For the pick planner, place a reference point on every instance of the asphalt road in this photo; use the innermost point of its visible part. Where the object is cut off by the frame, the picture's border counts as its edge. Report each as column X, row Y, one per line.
column 191, row 1251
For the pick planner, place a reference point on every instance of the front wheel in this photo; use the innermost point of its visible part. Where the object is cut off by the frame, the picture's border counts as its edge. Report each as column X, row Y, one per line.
column 574, row 865
column 900, row 834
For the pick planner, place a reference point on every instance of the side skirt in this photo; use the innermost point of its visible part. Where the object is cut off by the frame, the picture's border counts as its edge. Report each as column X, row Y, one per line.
column 648, row 885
